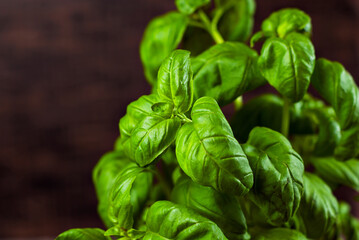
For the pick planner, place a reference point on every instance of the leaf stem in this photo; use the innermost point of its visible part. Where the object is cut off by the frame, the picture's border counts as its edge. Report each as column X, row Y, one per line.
column 285, row 117
column 211, row 26
column 195, row 23
column 183, row 117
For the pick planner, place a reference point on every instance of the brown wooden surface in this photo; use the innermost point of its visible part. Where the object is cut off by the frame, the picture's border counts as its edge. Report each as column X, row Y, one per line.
column 68, row 69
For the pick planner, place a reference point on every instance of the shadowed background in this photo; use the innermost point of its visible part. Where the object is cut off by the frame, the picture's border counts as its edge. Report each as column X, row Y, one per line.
column 68, row 69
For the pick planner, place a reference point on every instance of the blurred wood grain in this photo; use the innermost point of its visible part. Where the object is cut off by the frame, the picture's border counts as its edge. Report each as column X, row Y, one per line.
column 68, row 69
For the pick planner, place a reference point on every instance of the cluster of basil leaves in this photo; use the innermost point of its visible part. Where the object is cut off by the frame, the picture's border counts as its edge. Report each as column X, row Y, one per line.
column 178, row 171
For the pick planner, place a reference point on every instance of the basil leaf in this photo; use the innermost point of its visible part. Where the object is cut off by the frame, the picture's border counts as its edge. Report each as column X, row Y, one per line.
column 175, row 82
column 337, row 87
column 264, row 111
column 128, row 196
column 190, row 6
column 207, row 151
column 347, row 225
column 329, row 132
column 136, row 112
column 226, row 71
column 348, row 146
column 220, row 208
column 196, row 40
column 286, row 21
column 237, row 21
column 152, row 136
column 166, row 220
column 288, row 64
column 104, row 175
column 83, row 234
column 318, row 207
column 278, row 171
column 280, row 233
column 163, row 109
column 337, row 172
column 161, row 37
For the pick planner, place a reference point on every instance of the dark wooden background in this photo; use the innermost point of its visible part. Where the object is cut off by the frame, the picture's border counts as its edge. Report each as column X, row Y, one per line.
column 68, row 69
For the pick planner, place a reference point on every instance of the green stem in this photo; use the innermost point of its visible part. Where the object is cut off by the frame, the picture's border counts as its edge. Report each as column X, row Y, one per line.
column 183, row 117
column 285, row 117
column 211, row 26
column 195, row 23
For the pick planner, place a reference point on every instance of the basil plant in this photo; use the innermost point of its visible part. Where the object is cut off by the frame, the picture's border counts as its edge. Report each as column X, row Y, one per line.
column 180, row 170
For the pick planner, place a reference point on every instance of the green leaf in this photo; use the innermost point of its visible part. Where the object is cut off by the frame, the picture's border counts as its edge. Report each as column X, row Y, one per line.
column 163, row 109
column 337, row 172
column 152, row 136
column 278, row 174
column 166, row 220
column 329, row 132
column 128, row 196
column 226, row 71
column 279, row 233
column 347, row 225
column 237, row 21
column 318, row 207
column 265, row 111
column 207, row 151
column 104, row 175
column 161, row 37
column 83, row 234
column 196, row 40
column 338, row 88
column 317, row 123
column 175, row 83
column 190, row 6
column 286, row 21
column 136, row 112
column 288, row 64
column 119, row 233
column 222, row 209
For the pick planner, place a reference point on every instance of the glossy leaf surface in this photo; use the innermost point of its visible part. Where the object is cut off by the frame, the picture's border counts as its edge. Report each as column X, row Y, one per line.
column 207, row 151
column 288, row 64
column 136, row 112
column 338, row 172
column 152, row 136
column 189, row 6
column 220, row 208
column 83, row 234
column 226, row 71
column 337, row 87
column 286, row 21
column 280, row 233
column 104, row 175
column 166, row 220
column 278, row 174
column 236, row 24
column 128, row 195
column 162, row 36
column 318, row 207
column 175, row 83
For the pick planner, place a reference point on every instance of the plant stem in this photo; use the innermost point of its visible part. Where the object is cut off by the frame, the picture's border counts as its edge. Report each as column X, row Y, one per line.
column 183, row 117
column 285, row 117
column 195, row 23
column 211, row 26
